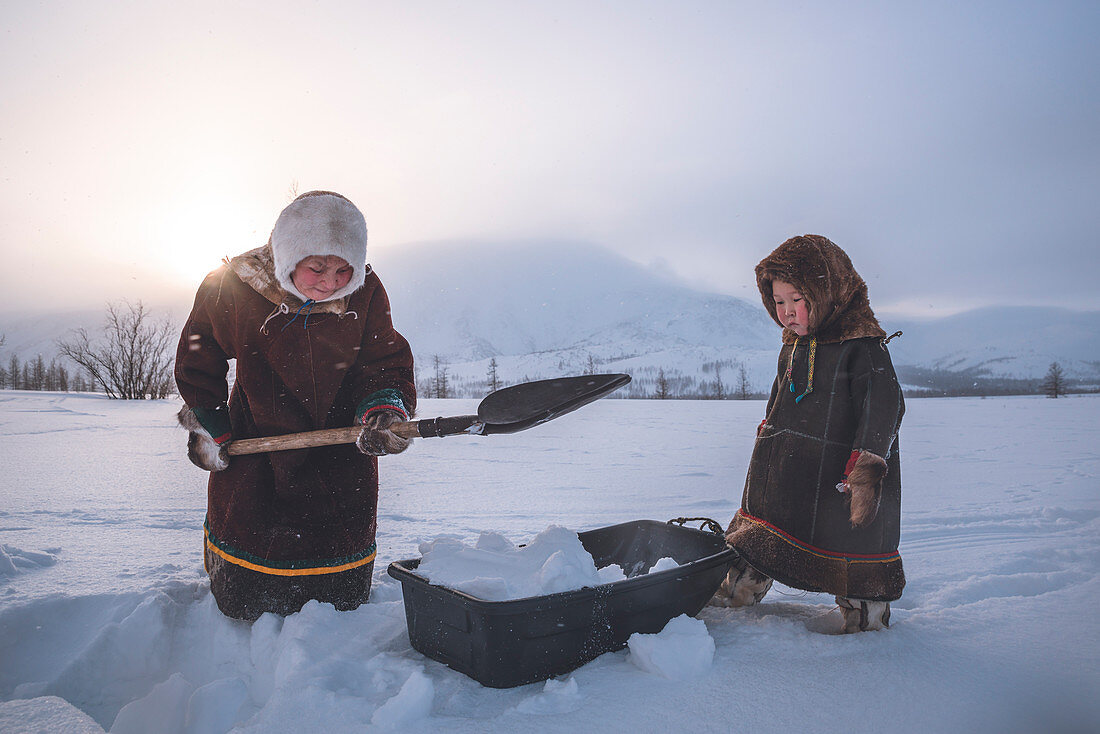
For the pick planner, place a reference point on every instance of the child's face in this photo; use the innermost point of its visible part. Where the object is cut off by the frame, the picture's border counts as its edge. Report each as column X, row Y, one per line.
column 791, row 307
column 319, row 276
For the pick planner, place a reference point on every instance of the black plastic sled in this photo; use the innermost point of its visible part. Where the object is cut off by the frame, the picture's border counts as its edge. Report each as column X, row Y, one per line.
column 509, row 643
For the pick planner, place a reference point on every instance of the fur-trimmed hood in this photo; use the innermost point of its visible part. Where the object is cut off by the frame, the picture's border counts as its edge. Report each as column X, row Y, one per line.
column 256, row 269
column 822, row 272
column 320, row 223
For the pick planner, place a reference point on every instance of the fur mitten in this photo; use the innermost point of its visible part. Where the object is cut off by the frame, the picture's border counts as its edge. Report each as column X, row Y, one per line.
column 376, row 438
column 203, row 449
column 864, row 483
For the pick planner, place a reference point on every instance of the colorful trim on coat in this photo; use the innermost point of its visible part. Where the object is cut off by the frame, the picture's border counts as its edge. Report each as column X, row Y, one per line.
column 388, row 399
column 286, row 568
column 790, row 561
column 215, row 421
column 819, row 552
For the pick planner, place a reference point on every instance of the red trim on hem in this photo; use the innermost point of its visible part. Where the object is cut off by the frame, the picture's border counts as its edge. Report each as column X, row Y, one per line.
column 790, row 538
column 223, row 438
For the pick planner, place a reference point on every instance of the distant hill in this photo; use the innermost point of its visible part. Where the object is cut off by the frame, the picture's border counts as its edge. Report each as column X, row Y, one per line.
column 543, row 309
column 1005, row 341
column 551, row 308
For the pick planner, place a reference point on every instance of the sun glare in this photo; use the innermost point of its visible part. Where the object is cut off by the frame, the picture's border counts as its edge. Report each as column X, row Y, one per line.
column 194, row 236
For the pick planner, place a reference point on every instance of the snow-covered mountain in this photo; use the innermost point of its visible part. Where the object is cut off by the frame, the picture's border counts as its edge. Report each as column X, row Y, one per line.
column 544, row 309
column 1016, row 342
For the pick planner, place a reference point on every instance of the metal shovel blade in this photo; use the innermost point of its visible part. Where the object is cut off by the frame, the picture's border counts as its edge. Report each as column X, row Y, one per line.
column 528, row 404
column 507, row 410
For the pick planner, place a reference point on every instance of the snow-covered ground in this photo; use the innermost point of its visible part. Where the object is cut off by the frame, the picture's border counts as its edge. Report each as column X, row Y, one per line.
column 106, row 619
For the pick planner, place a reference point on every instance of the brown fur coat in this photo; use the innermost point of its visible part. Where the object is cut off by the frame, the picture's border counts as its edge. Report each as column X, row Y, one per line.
column 282, row 521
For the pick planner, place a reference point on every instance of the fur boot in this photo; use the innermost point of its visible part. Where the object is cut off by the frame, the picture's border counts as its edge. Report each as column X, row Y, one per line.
column 742, row 587
column 861, row 616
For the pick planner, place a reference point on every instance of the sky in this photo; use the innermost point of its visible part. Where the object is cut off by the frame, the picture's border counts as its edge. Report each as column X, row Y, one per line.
column 953, row 149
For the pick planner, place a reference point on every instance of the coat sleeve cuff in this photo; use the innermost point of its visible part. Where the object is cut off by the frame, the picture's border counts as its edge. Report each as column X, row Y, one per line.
column 215, row 421
column 388, row 399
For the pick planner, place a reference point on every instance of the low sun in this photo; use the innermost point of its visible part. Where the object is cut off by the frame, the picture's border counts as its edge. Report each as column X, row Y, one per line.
column 194, row 236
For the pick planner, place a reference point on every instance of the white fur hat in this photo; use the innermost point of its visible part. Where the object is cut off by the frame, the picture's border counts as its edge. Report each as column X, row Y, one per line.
column 320, row 223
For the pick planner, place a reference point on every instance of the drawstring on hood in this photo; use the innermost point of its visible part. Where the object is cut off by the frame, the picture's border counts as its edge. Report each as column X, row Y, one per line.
column 308, row 306
column 281, row 308
column 809, row 369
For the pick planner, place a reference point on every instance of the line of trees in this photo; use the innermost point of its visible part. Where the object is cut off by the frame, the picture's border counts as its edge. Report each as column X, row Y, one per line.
column 649, row 382
column 131, row 359
column 670, row 384
column 36, row 374
column 970, row 383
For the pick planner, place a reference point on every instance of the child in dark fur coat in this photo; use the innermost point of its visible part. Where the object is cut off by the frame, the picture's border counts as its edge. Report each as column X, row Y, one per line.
column 821, row 509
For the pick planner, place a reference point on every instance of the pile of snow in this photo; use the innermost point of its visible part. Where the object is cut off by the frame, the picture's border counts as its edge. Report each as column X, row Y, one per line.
column 45, row 714
column 681, row 651
column 495, row 569
column 556, row 697
column 16, row 560
column 412, row 702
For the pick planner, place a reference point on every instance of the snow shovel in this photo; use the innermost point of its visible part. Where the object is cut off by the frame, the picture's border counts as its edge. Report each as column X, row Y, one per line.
column 508, row 410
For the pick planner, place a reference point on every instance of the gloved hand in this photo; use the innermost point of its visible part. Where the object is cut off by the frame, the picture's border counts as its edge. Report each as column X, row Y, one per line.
column 376, row 438
column 204, row 449
column 863, row 483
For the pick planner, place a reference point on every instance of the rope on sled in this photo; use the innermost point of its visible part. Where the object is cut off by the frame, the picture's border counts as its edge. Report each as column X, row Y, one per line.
column 706, row 522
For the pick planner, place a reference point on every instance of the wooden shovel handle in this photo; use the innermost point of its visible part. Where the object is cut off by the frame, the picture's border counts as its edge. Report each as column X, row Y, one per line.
column 310, row 439
column 427, row 428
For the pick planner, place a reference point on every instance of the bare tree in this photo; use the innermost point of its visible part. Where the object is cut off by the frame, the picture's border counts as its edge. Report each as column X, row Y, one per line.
column 744, row 389
column 38, row 374
column 79, row 384
column 3, row 370
column 590, row 365
column 719, row 388
column 1054, row 384
column 440, row 386
column 57, row 376
column 13, row 372
column 491, row 377
column 662, row 392
column 133, row 361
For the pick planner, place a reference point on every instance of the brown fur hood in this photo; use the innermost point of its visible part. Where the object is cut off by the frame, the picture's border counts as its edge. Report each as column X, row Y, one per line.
column 823, row 274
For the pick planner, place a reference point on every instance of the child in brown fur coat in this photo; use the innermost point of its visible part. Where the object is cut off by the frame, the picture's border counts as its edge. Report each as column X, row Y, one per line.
column 821, row 509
